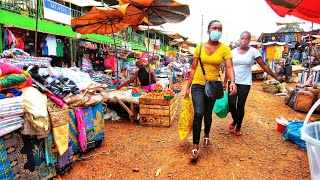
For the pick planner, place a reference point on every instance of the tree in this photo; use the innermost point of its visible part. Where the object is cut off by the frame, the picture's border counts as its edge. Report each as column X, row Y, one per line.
column 293, row 27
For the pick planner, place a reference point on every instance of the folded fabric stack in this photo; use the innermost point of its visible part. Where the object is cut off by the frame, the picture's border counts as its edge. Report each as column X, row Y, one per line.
column 14, row 52
column 11, row 110
column 13, row 77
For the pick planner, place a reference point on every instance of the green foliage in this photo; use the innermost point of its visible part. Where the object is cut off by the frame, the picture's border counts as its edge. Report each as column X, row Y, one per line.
column 294, row 27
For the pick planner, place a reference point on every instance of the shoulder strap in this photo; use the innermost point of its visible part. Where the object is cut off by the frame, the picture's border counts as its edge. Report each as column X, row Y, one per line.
column 199, row 57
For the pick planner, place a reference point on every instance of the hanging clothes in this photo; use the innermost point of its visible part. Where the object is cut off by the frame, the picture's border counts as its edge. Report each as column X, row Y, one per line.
column 67, row 52
column 283, row 38
column 278, row 52
column 20, row 41
column 270, row 50
column 51, row 44
column 5, row 41
column 60, row 46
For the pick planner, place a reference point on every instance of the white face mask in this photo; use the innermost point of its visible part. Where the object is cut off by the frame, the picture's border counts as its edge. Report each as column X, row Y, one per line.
column 215, row 35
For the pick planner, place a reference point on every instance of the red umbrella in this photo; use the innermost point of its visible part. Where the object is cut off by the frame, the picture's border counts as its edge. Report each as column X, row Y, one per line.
column 305, row 9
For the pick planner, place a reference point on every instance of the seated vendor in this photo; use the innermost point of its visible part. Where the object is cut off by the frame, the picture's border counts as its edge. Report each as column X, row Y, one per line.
column 142, row 77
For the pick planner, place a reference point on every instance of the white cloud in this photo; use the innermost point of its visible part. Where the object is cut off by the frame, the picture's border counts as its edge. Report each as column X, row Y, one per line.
column 236, row 16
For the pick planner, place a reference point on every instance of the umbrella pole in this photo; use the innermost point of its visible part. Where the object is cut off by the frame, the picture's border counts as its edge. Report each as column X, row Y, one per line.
column 116, row 50
column 148, row 54
column 310, row 50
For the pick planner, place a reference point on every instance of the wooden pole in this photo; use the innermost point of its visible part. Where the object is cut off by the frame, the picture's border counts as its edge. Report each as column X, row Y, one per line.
column 36, row 33
column 1, row 26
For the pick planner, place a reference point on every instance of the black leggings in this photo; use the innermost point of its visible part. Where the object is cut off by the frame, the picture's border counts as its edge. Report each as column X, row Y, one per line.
column 237, row 103
column 202, row 106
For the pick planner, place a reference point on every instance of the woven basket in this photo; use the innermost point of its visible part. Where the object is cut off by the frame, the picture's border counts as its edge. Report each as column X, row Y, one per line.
column 270, row 88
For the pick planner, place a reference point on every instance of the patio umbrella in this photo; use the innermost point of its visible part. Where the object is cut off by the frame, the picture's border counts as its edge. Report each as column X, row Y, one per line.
column 305, row 9
column 158, row 12
column 101, row 20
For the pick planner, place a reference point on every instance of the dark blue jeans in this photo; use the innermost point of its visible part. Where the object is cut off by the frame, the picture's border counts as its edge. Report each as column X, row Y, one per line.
column 202, row 106
column 237, row 103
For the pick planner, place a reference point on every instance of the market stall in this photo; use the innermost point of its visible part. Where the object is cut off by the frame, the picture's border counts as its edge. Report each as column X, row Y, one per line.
column 49, row 116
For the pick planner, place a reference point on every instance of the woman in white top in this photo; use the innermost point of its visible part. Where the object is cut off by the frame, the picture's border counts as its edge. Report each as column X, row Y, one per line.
column 243, row 58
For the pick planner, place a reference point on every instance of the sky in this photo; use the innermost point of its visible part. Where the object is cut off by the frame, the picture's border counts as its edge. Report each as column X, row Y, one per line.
column 236, row 16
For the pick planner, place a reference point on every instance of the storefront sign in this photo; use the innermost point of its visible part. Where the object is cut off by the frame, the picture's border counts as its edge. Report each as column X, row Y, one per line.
column 56, row 12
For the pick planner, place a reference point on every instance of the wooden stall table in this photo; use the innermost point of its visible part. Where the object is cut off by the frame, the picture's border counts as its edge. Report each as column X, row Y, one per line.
column 123, row 97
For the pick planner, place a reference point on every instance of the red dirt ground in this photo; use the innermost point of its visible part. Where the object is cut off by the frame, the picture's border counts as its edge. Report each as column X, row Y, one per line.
column 260, row 153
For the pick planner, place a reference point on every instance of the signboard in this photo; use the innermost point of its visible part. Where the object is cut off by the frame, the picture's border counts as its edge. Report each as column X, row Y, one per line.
column 56, row 12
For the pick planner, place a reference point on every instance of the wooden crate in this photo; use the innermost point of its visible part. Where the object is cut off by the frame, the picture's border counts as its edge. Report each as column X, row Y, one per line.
column 158, row 114
column 144, row 100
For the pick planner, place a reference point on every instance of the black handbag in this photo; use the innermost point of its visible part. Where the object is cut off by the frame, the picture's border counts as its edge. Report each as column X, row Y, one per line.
column 212, row 89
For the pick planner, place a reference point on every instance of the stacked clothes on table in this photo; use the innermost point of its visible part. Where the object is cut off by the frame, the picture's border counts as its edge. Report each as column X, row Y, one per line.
column 11, row 112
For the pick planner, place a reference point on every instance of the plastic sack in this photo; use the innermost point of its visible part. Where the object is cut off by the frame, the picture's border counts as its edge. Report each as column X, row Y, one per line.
column 221, row 106
column 293, row 134
column 186, row 118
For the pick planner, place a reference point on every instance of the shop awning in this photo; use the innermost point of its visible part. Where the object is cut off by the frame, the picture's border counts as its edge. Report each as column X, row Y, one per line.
column 275, row 43
column 305, row 9
column 84, row 3
column 160, row 30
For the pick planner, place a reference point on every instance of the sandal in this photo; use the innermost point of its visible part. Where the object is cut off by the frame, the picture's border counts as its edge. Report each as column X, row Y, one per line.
column 237, row 132
column 206, row 141
column 194, row 154
column 232, row 126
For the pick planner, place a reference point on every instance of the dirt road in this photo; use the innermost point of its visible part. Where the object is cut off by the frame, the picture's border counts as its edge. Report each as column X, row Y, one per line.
column 134, row 152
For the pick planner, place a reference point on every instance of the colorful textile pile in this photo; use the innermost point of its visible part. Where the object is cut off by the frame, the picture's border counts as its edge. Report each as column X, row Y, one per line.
column 11, row 110
column 14, row 52
column 13, row 77
column 37, row 107
column 93, row 117
column 27, row 157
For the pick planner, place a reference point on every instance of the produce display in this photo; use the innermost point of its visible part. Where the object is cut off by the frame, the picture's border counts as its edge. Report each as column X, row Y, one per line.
column 158, row 88
column 136, row 90
column 176, row 87
column 154, row 95
column 168, row 94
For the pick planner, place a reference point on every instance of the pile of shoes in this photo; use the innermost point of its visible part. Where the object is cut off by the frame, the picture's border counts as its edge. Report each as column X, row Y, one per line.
column 59, row 86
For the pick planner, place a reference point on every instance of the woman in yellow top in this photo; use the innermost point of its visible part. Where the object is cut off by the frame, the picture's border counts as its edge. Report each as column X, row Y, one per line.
column 213, row 53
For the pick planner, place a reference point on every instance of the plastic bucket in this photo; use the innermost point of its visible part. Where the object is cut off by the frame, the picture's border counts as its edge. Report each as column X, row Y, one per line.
column 310, row 132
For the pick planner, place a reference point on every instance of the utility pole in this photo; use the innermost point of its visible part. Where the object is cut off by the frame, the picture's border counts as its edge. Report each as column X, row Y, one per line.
column 201, row 28
column 310, row 49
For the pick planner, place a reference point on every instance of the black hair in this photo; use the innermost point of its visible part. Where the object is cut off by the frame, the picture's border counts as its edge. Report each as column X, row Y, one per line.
column 246, row 32
column 211, row 22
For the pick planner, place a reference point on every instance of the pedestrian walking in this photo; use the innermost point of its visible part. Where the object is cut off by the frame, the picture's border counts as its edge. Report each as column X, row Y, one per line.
column 243, row 57
column 212, row 54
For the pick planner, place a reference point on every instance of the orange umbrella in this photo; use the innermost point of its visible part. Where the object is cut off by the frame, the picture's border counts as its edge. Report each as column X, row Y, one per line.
column 133, row 15
column 158, row 12
column 99, row 20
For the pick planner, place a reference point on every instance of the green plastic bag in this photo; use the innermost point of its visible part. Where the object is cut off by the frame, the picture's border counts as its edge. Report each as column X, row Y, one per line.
column 221, row 106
